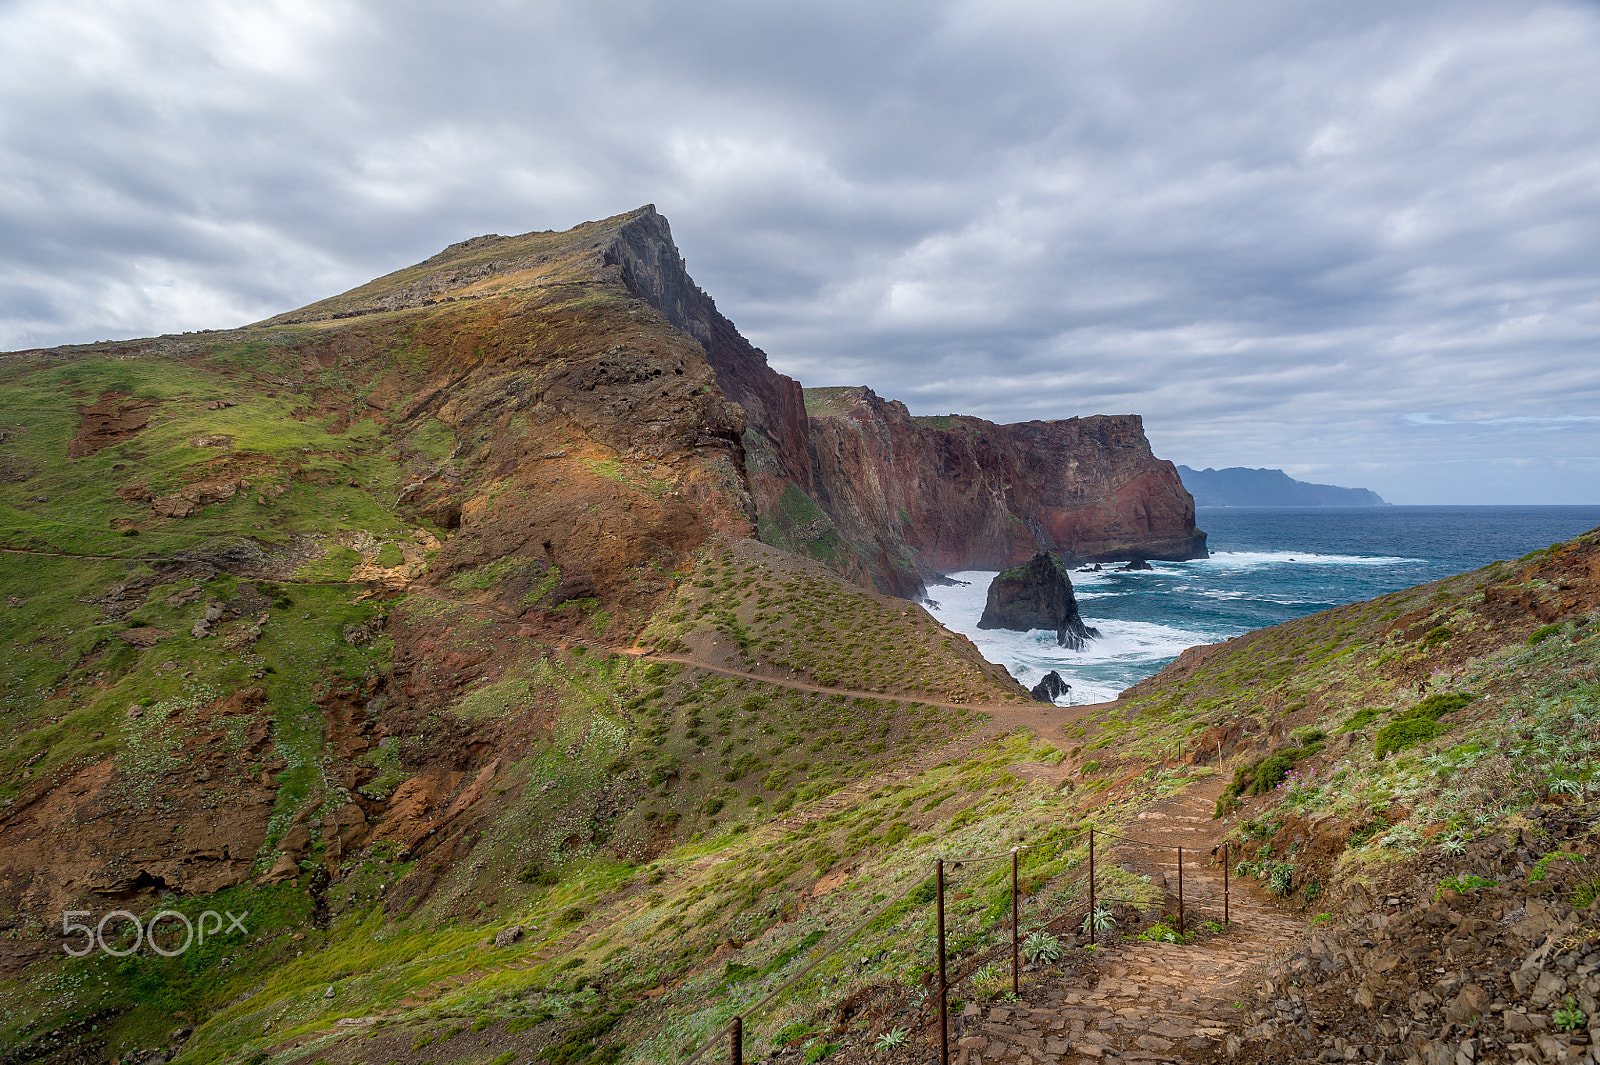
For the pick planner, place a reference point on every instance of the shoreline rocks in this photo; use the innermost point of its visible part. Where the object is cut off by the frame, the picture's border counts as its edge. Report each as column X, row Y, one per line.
column 1050, row 688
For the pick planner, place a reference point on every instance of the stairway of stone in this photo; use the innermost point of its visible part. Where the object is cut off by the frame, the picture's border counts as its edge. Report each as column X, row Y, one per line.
column 1147, row 1001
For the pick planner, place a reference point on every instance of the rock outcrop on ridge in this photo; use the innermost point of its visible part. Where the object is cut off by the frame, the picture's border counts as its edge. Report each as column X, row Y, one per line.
column 1037, row 595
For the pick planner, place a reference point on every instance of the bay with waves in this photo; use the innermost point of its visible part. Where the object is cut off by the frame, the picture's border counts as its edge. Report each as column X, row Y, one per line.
column 1268, row 565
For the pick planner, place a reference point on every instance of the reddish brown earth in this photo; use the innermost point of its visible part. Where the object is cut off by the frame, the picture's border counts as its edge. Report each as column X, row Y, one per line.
column 112, row 418
column 190, row 817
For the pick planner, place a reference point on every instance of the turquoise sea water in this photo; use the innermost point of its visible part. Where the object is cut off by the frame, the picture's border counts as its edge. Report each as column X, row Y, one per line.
column 1268, row 565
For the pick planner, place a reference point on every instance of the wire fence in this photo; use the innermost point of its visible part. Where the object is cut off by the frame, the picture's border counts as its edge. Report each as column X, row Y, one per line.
column 1096, row 920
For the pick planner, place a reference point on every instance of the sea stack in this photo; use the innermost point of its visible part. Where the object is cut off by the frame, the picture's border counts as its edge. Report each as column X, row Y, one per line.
column 1037, row 595
column 1050, row 688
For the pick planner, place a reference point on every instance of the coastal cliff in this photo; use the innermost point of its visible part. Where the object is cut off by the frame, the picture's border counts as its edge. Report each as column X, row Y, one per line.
column 1240, row 487
column 839, row 475
column 933, row 495
column 854, row 481
column 423, row 628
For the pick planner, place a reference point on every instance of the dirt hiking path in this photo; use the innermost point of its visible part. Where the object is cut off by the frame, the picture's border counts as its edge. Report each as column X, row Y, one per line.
column 1149, row 1002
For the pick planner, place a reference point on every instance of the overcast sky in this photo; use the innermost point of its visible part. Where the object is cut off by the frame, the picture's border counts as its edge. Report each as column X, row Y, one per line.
column 1356, row 240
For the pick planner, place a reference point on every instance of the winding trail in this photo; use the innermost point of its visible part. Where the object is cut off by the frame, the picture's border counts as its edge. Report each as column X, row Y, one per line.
column 1160, row 1003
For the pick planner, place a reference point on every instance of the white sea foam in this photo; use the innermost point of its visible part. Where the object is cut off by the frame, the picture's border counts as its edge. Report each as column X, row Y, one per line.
column 1132, row 648
column 1125, row 651
column 1248, row 559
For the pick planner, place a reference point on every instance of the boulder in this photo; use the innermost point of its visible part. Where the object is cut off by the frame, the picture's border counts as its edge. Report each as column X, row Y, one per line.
column 1050, row 688
column 1134, row 564
column 1037, row 595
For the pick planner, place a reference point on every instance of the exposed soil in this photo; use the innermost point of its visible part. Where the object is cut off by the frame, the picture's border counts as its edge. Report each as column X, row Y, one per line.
column 113, row 418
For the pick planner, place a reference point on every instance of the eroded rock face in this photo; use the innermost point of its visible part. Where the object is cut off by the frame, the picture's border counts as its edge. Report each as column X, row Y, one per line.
column 115, row 417
column 952, row 493
column 1422, row 972
column 1037, row 595
column 853, row 480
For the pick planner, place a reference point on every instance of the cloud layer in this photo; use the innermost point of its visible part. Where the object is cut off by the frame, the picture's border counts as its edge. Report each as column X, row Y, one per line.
column 1357, row 241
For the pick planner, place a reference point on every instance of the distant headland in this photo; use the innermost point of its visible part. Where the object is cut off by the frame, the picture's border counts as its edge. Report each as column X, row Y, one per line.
column 1237, row 486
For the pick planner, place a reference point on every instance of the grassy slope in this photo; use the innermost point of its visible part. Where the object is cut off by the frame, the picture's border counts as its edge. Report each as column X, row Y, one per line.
column 1509, row 654
column 603, row 765
column 763, row 610
column 68, row 679
column 569, row 845
column 672, row 842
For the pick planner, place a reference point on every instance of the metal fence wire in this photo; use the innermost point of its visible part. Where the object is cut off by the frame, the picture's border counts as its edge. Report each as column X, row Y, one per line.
column 733, row 1030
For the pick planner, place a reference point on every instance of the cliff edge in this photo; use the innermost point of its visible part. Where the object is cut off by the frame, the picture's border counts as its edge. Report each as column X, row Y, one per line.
column 937, row 494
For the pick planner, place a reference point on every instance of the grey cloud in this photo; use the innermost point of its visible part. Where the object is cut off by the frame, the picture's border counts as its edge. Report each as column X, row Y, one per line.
column 1278, row 230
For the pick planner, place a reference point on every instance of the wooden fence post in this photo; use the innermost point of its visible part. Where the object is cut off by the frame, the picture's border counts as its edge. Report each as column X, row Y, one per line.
column 944, row 1025
column 1015, row 988
column 1180, row 891
column 738, row 1041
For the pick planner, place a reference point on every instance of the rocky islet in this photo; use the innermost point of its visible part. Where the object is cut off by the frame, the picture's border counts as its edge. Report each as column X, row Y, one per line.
column 1037, row 595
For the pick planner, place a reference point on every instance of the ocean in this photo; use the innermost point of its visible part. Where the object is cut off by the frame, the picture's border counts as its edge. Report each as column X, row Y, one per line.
column 1268, row 565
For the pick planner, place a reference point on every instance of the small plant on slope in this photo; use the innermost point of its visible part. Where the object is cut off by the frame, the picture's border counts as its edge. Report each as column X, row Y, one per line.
column 891, row 1040
column 1041, row 946
column 1569, row 1018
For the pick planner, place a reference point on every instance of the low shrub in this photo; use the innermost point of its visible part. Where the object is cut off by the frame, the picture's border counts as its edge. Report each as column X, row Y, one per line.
column 1258, row 777
column 1419, row 724
column 1160, row 932
column 1270, row 773
column 1360, row 719
column 1441, row 703
column 1543, row 633
column 792, row 1033
column 1406, row 732
column 1462, row 884
column 1042, row 946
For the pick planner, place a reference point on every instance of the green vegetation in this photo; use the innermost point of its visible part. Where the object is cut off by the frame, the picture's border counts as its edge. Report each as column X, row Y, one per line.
column 799, row 525
column 656, row 847
column 1263, row 775
column 1542, row 633
column 1568, row 1017
column 1462, row 884
column 1419, row 724
column 826, row 631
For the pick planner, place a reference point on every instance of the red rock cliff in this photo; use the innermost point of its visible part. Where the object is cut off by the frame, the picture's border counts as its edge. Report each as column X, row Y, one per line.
column 853, row 480
column 956, row 492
